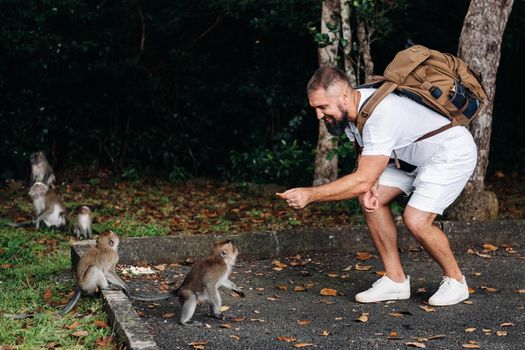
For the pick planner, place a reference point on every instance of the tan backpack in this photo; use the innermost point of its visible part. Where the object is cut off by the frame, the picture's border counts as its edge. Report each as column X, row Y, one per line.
column 439, row 81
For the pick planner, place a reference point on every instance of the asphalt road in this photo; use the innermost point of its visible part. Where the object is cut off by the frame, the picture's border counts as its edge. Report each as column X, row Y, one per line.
column 288, row 304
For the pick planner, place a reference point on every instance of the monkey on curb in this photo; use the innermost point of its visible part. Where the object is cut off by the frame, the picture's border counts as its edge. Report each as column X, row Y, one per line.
column 202, row 283
column 41, row 170
column 83, row 227
column 96, row 269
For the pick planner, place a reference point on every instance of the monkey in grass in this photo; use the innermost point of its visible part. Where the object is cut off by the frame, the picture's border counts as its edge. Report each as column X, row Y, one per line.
column 83, row 228
column 48, row 207
column 41, row 170
column 202, row 283
column 96, row 269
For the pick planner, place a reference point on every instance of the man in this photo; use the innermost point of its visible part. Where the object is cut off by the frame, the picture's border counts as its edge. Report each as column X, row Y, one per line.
column 435, row 170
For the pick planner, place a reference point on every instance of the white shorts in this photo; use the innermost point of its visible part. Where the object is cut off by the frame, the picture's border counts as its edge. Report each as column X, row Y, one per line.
column 439, row 181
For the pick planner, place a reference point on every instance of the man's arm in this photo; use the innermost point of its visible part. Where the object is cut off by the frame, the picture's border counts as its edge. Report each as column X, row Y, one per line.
column 349, row 186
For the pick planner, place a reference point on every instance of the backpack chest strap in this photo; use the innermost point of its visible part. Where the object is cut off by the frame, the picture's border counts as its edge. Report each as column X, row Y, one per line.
column 371, row 103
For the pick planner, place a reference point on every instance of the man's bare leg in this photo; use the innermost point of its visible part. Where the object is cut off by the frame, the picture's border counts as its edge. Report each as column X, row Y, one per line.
column 433, row 239
column 384, row 233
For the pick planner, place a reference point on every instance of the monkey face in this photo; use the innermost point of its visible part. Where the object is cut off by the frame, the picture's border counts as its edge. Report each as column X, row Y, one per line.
column 37, row 157
column 108, row 238
column 85, row 210
column 38, row 189
column 226, row 250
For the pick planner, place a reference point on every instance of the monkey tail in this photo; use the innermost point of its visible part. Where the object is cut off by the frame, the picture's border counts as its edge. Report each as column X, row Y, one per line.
column 72, row 302
column 148, row 297
column 20, row 224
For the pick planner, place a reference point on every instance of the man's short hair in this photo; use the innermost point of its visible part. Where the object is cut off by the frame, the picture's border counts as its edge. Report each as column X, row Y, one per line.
column 324, row 77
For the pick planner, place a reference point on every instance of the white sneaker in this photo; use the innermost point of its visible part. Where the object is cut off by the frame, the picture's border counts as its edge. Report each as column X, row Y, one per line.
column 450, row 292
column 385, row 289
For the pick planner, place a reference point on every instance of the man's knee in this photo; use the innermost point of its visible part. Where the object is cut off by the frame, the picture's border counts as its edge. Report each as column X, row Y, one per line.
column 417, row 222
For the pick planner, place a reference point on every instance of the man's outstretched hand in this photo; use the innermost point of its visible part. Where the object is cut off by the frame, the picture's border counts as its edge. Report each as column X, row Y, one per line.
column 297, row 198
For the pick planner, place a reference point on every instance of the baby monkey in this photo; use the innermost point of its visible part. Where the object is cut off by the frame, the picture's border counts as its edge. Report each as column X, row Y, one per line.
column 202, row 283
column 96, row 268
column 84, row 225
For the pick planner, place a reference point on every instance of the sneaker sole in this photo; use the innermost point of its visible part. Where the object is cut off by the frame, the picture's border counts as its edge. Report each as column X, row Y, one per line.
column 454, row 302
column 392, row 297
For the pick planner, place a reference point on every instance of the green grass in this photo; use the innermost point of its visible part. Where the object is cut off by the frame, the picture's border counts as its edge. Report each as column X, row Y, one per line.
column 32, row 270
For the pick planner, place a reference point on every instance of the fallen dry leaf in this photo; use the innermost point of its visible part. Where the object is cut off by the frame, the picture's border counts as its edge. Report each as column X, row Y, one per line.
column 325, row 333
column 416, row 344
column 501, row 333
column 471, row 290
column 490, row 247
column 359, row 267
column 381, row 273
column 226, row 325
column 73, row 325
column 302, row 345
column 489, row 289
column 437, row 336
column 468, row 302
column 520, row 291
column 282, row 287
column 160, row 267
column 304, row 322
column 395, row 314
column 80, row 334
column 100, row 324
column 279, row 264
column 168, row 315
column 224, row 308
column 332, row 275
column 427, row 308
column 48, row 294
column 486, row 256
column 328, row 292
column 232, row 336
column 286, row 339
column 506, row 324
column 470, row 330
column 363, row 318
column 363, row 256
column 471, row 346
column 299, row 289
column 393, row 335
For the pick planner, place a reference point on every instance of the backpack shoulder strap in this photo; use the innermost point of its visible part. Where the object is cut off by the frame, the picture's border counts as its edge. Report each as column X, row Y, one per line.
column 371, row 103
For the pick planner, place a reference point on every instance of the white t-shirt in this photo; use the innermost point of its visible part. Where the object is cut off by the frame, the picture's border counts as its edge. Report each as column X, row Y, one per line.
column 395, row 124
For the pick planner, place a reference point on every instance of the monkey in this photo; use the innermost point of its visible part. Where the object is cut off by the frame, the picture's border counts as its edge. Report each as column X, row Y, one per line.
column 96, row 269
column 41, row 170
column 202, row 283
column 48, row 206
column 84, row 223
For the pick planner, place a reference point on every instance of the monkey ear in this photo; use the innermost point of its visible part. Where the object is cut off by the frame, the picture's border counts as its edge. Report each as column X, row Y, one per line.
column 111, row 243
column 223, row 253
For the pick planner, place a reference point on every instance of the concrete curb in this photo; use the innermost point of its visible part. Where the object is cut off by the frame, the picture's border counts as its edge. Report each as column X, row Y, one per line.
column 166, row 249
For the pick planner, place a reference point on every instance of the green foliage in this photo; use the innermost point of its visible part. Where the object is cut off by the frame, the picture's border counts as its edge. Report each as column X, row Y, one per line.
column 285, row 164
column 205, row 80
column 34, row 264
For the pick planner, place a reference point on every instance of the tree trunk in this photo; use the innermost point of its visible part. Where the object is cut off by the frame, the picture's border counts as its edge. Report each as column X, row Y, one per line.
column 363, row 35
column 346, row 30
column 326, row 170
column 480, row 48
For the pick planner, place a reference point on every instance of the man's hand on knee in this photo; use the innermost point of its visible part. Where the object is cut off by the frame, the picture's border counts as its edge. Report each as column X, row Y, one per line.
column 371, row 200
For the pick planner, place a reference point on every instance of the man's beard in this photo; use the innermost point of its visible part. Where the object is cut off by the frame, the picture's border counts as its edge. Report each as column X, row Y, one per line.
column 335, row 127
